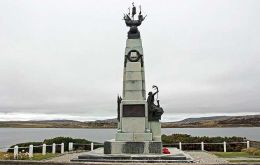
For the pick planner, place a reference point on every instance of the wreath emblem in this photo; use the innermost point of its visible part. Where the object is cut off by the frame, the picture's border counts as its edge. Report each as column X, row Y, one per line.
column 133, row 58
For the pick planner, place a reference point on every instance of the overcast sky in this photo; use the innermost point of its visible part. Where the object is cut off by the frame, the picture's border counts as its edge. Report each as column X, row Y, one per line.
column 64, row 58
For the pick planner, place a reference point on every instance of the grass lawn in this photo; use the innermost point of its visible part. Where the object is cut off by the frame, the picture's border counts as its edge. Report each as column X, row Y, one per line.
column 238, row 157
column 36, row 156
column 244, row 161
column 39, row 156
column 234, row 155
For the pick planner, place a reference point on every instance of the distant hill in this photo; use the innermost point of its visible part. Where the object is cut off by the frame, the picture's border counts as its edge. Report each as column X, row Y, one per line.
column 201, row 122
column 107, row 121
column 216, row 121
column 189, row 120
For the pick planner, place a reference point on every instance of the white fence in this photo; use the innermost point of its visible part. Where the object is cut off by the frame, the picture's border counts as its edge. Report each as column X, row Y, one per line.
column 31, row 148
column 202, row 144
column 71, row 147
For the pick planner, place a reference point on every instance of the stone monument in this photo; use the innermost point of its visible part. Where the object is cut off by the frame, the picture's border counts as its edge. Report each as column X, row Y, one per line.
column 139, row 129
column 138, row 136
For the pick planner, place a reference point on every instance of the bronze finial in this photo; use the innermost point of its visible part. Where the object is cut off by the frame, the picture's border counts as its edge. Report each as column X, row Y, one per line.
column 129, row 19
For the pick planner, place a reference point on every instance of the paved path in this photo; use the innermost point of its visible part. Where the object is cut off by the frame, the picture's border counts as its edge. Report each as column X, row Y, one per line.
column 206, row 158
column 199, row 157
column 65, row 158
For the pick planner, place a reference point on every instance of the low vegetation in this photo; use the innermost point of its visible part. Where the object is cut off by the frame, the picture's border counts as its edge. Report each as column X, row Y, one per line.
column 245, row 156
column 252, row 151
column 25, row 156
column 79, row 144
column 232, row 154
column 184, row 138
column 39, row 156
column 244, row 161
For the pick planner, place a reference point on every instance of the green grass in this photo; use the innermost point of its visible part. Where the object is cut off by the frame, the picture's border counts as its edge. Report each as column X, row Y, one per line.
column 234, row 155
column 244, row 161
column 39, row 156
column 36, row 156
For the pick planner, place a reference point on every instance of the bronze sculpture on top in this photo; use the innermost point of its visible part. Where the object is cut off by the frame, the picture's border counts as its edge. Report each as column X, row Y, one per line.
column 132, row 23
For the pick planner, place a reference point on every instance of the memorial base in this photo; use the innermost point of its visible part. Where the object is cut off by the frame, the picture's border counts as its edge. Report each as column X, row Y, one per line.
column 132, row 147
column 97, row 155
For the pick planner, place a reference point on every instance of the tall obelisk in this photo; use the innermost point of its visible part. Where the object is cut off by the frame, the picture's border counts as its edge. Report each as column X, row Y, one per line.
column 134, row 77
column 134, row 134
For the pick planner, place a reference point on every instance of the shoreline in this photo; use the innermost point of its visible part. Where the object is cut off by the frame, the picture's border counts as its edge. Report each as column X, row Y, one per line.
column 115, row 127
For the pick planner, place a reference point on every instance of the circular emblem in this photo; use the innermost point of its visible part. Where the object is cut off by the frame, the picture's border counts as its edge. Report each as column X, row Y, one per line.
column 133, row 56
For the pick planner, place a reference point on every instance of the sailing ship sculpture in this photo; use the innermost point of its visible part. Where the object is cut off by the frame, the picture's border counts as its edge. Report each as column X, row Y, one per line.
column 131, row 22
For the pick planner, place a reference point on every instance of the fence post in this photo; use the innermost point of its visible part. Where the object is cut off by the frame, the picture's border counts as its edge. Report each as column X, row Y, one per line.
column 247, row 144
column 15, row 152
column 44, row 149
column 92, row 146
column 30, row 151
column 53, row 148
column 225, row 146
column 180, row 147
column 62, row 148
column 202, row 146
column 70, row 146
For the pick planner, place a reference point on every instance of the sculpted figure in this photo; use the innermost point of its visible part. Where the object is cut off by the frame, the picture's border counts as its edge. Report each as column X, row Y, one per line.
column 154, row 111
column 119, row 99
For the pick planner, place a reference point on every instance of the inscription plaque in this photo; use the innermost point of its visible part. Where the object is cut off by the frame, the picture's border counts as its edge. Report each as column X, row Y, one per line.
column 134, row 110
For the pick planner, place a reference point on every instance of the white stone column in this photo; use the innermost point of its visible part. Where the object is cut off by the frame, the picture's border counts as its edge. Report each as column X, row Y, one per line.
column 247, row 144
column 202, row 146
column 53, row 148
column 16, row 152
column 225, row 146
column 62, row 148
column 180, row 146
column 92, row 146
column 30, row 151
column 155, row 127
column 134, row 76
column 44, row 149
column 70, row 146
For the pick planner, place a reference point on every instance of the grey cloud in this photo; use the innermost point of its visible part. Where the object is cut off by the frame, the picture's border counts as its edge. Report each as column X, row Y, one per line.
column 66, row 56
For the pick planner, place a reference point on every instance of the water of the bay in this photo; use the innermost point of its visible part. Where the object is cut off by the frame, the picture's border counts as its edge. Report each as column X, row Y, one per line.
column 9, row 136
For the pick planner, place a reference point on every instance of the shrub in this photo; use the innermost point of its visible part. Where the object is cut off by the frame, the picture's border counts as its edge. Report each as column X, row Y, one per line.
column 6, row 156
column 78, row 144
column 35, row 149
column 185, row 138
column 23, row 156
column 66, row 140
column 257, row 153
column 250, row 150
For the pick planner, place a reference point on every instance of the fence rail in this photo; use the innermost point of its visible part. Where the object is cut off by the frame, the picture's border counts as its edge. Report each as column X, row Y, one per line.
column 202, row 144
column 93, row 145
